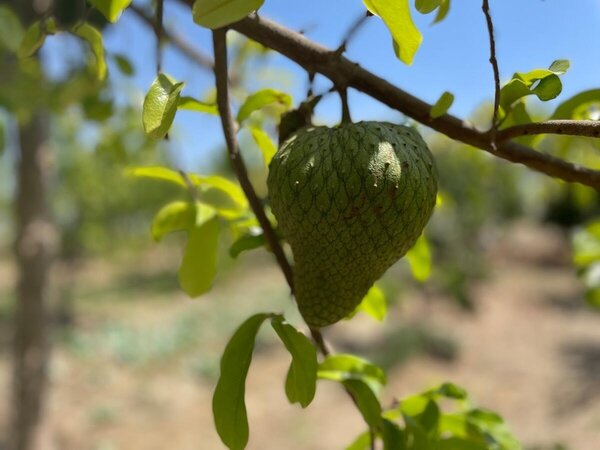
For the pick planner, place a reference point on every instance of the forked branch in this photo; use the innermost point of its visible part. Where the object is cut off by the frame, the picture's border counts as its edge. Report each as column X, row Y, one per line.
column 341, row 71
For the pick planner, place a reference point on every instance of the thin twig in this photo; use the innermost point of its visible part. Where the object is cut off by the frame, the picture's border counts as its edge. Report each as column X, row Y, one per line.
column 356, row 25
column 191, row 187
column 586, row 128
column 220, row 51
column 159, row 34
column 319, row 341
column 180, row 44
column 316, row 58
column 494, row 62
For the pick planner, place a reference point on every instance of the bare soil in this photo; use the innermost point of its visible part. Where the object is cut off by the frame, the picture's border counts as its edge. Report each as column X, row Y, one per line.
column 138, row 369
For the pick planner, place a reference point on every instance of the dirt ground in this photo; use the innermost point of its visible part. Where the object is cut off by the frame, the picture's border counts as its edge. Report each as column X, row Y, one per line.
column 138, row 369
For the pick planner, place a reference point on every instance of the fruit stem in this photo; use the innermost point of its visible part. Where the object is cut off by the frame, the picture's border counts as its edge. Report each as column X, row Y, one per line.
column 346, row 118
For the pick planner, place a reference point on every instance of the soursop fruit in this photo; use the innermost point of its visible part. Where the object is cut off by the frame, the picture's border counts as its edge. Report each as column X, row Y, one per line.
column 351, row 201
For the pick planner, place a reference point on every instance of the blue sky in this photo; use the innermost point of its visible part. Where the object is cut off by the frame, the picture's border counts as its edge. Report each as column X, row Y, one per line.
column 453, row 57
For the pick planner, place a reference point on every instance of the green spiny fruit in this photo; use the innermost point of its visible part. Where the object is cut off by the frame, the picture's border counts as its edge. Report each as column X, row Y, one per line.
column 351, row 201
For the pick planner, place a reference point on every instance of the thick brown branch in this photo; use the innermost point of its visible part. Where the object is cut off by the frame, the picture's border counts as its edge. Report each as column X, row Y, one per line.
column 587, row 128
column 494, row 62
column 316, row 58
column 180, row 44
column 220, row 50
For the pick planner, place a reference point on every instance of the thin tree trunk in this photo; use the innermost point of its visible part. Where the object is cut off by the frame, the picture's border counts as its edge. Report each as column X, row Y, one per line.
column 33, row 252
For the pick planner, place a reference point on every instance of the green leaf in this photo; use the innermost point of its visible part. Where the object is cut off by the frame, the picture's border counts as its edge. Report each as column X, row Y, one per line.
column 301, row 382
column 229, row 406
column 392, row 436
column 191, row 104
column 544, row 83
column 233, row 191
column 426, row 6
column 219, row 13
column 366, row 401
column 265, row 144
column 158, row 173
column 559, row 66
column 396, row 16
column 548, row 88
column 176, row 216
column 450, row 390
column 232, row 206
column 11, row 30
column 124, row 65
column 419, row 259
column 260, row 99
column 94, row 38
column 111, row 9
column 373, row 304
column 341, row 367
column 430, row 417
column 160, row 106
column 456, row 443
column 592, row 298
column 245, row 243
column 34, row 37
column 199, row 265
column 577, row 107
column 442, row 105
column 442, row 11
column 586, row 245
column 362, row 442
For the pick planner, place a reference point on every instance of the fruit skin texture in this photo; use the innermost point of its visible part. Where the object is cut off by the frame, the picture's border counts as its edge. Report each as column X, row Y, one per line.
column 351, row 201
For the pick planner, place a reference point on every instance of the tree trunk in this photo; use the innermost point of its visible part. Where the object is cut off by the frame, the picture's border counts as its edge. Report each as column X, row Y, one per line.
column 33, row 252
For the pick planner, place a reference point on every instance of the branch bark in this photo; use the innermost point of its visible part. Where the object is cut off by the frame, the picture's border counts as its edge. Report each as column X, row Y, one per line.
column 585, row 128
column 229, row 129
column 494, row 62
column 34, row 248
column 316, row 58
column 180, row 44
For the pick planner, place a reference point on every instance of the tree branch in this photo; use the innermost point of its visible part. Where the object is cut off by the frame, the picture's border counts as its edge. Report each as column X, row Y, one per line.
column 158, row 29
column 180, row 44
column 586, row 128
column 221, row 77
column 494, row 62
column 316, row 58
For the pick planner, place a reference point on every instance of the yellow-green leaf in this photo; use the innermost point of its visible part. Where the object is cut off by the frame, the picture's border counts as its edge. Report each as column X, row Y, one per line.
column 265, row 144
column 111, row 9
column 419, row 259
column 442, row 105
column 94, row 38
column 158, row 173
column 199, row 265
column 396, row 16
column 191, row 104
column 160, row 106
column 340, row 367
column 260, row 99
column 219, row 13
column 373, row 304
column 11, row 30
column 176, row 216
column 34, row 37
